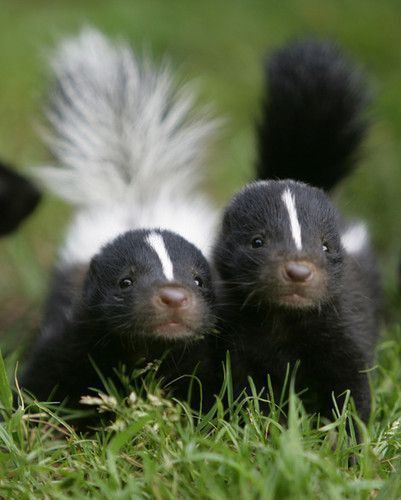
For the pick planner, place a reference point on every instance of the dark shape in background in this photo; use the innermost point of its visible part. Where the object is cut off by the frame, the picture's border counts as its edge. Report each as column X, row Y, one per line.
column 18, row 199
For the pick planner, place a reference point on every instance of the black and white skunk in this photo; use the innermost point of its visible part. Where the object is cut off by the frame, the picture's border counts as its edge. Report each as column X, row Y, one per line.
column 18, row 199
column 132, row 282
column 300, row 283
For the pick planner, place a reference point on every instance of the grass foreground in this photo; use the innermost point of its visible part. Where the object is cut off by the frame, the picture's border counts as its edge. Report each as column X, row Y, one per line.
column 155, row 447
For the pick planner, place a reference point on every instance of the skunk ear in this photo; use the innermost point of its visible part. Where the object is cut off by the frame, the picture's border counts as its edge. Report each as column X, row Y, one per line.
column 18, row 198
column 91, row 287
column 93, row 270
column 226, row 224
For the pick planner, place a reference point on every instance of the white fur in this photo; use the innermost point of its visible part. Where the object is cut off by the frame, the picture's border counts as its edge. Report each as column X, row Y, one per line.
column 355, row 238
column 192, row 218
column 119, row 123
column 156, row 242
column 289, row 202
column 129, row 146
column 89, row 232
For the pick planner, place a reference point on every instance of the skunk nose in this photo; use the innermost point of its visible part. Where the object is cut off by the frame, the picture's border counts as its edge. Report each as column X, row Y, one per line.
column 174, row 297
column 298, row 271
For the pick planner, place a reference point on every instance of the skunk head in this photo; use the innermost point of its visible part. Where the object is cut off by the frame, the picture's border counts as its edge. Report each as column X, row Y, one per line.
column 280, row 245
column 153, row 284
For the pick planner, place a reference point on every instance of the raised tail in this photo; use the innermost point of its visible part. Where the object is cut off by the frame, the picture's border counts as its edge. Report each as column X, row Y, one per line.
column 128, row 145
column 314, row 115
column 119, row 127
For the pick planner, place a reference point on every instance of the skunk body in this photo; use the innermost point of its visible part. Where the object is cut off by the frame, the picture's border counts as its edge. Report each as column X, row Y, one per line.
column 18, row 199
column 300, row 286
column 300, row 282
column 132, row 282
column 313, row 116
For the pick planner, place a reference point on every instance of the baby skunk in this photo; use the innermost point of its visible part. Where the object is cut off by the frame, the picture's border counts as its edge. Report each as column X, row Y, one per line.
column 300, row 282
column 147, row 293
column 132, row 282
column 18, row 199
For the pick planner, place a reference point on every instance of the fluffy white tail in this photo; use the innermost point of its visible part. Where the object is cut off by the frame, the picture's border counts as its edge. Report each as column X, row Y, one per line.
column 120, row 127
column 129, row 147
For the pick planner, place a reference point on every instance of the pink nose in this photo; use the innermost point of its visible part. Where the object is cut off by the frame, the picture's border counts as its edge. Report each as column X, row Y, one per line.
column 174, row 297
column 298, row 271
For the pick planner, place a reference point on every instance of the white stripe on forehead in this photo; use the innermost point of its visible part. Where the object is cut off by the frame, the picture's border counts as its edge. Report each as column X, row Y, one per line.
column 289, row 202
column 156, row 242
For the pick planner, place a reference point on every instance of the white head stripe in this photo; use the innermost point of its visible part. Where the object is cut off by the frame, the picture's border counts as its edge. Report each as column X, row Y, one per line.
column 156, row 242
column 289, row 203
column 355, row 238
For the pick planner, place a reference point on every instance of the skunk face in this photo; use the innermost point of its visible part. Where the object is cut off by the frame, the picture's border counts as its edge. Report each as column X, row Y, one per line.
column 151, row 283
column 280, row 245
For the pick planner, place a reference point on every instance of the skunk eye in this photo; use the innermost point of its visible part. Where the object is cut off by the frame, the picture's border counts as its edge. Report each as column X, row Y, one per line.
column 198, row 281
column 126, row 283
column 257, row 242
column 325, row 247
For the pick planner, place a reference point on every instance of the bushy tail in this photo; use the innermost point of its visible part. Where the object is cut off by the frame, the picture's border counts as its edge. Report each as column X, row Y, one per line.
column 119, row 127
column 313, row 116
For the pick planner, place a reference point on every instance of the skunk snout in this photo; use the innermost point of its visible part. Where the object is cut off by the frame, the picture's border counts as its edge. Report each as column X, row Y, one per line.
column 297, row 283
column 176, row 312
column 173, row 297
column 298, row 272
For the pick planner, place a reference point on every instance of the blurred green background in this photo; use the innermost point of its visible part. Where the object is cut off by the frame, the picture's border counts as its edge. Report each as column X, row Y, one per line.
column 221, row 44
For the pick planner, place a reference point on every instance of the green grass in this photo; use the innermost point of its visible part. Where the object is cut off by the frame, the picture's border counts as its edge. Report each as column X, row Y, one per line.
column 161, row 450
column 157, row 448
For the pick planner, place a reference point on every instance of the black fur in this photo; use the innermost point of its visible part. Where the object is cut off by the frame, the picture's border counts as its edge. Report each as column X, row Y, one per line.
column 329, row 324
column 18, row 199
column 313, row 123
column 90, row 319
column 313, row 118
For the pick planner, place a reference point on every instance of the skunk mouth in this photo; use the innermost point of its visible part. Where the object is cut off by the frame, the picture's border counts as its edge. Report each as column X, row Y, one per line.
column 295, row 300
column 174, row 330
column 304, row 295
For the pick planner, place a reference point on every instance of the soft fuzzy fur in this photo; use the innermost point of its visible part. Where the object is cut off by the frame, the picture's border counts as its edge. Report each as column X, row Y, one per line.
column 99, row 323
column 329, row 324
column 314, row 115
column 130, row 147
column 329, row 320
